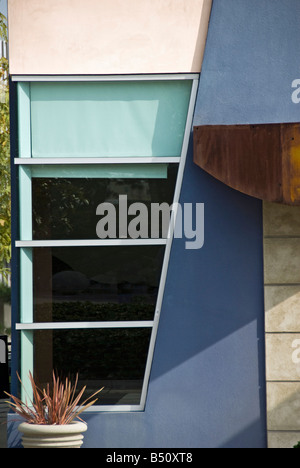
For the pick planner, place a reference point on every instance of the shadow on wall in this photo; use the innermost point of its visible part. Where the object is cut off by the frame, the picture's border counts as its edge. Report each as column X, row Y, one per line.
column 211, row 332
column 219, row 289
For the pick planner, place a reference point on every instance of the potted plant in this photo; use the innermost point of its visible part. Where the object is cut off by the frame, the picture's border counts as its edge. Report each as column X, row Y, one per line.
column 52, row 415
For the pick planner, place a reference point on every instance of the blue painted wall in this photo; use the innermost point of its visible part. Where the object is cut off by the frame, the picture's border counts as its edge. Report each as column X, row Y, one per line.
column 207, row 386
column 207, row 381
column 252, row 58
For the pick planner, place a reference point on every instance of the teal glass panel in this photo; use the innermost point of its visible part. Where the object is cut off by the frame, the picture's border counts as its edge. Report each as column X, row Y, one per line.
column 102, row 171
column 25, row 199
column 24, row 125
column 26, row 290
column 27, row 363
column 109, row 119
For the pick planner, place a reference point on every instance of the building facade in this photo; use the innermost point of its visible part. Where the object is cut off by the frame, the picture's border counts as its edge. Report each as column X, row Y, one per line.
column 193, row 329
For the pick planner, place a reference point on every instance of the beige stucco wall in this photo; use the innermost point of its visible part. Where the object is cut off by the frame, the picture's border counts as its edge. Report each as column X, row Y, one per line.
column 282, row 304
column 107, row 36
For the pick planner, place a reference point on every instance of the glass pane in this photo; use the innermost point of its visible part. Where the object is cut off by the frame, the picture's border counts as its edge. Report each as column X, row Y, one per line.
column 65, row 207
column 113, row 358
column 109, row 119
column 84, row 284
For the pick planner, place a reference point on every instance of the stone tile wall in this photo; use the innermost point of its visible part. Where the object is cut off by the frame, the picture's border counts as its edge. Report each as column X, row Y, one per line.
column 282, row 322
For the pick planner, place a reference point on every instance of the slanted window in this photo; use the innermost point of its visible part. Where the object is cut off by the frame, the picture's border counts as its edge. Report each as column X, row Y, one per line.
column 90, row 291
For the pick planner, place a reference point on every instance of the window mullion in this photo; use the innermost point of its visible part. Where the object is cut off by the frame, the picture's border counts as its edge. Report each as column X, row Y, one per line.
column 83, row 325
column 90, row 243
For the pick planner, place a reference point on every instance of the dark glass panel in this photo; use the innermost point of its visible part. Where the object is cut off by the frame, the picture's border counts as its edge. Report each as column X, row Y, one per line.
column 113, row 358
column 74, row 284
column 65, row 208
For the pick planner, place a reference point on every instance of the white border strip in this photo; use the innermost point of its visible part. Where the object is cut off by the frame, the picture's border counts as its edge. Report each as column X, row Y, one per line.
column 115, row 409
column 82, row 325
column 89, row 243
column 85, row 161
column 158, row 77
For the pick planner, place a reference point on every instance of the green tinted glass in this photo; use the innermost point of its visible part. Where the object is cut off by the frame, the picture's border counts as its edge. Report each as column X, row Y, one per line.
column 109, row 119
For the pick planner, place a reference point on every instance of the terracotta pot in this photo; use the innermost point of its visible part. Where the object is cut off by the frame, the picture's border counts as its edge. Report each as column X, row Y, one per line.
column 43, row 436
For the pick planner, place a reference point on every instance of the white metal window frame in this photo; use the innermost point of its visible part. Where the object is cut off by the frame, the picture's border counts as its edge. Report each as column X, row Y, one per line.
column 94, row 161
column 30, row 327
column 82, row 78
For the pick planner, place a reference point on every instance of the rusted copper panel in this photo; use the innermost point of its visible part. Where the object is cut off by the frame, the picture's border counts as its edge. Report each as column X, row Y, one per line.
column 290, row 143
column 260, row 160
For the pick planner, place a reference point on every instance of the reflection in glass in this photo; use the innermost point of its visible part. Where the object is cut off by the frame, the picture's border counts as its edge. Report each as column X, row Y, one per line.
column 96, row 283
column 113, row 358
column 65, row 208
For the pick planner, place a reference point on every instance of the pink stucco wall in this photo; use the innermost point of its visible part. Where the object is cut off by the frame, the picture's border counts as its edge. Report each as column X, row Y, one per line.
column 107, row 36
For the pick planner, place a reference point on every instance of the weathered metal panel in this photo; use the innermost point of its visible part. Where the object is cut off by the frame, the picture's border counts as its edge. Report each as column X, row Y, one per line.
column 290, row 150
column 260, row 160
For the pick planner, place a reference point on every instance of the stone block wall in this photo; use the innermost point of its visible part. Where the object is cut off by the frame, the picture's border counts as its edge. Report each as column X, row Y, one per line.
column 282, row 323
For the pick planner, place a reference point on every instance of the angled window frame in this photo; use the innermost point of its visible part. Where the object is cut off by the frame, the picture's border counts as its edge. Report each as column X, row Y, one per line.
column 25, row 244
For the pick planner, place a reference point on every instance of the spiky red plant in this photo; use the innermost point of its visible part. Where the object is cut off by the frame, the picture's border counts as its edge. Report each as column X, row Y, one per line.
column 56, row 406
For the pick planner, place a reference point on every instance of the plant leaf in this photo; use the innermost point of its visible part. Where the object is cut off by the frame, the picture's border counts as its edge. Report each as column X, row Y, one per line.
column 58, row 406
